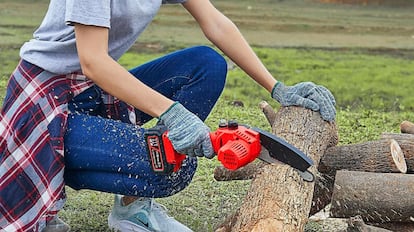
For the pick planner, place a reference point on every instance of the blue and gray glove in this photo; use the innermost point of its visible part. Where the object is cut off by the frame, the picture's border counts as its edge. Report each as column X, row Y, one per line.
column 308, row 95
column 187, row 133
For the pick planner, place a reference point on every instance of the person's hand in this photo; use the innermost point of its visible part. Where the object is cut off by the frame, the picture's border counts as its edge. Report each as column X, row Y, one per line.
column 308, row 95
column 187, row 133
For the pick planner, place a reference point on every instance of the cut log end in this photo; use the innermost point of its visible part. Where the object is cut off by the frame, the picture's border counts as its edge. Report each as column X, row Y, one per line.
column 398, row 156
column 407, row 127
column 406, row 142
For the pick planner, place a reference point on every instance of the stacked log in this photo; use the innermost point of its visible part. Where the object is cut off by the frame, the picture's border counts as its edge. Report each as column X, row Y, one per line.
column 376, row 197
column 372, row 180
column 383, row 192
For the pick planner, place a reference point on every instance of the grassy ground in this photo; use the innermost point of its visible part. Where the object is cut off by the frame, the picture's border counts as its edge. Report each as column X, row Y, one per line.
column 363, row 54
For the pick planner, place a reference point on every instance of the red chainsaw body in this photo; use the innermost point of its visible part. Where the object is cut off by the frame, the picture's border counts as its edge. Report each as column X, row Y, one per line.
column 235, row 146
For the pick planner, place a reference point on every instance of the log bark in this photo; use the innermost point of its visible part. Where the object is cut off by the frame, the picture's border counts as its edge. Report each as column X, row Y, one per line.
column 278, row 199
column 396, row 226
column 357, row 224
column 396, row 136
column 406, row 142
column 374, row 156
column 376, row 197
column 268, row 112
column 322, row 193
column 244, row 173
column 323, row 183
column 383, row 155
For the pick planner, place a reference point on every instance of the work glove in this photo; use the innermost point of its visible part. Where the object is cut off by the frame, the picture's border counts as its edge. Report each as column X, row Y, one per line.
column 187, row 133
column 308, row 95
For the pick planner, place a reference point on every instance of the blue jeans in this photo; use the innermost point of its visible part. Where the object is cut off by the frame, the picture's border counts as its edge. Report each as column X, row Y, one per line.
column 107, row 155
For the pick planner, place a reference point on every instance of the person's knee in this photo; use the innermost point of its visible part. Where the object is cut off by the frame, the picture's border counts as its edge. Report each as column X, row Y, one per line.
column 213, row 65
column 211, row 58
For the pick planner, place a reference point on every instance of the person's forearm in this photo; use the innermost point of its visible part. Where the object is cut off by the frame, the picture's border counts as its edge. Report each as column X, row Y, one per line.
column 117, row 81
column 229, row 39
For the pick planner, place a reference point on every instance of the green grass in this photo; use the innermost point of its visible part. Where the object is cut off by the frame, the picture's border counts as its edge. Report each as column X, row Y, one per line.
column 358, row 78
column 206, row 202
column 363, row 54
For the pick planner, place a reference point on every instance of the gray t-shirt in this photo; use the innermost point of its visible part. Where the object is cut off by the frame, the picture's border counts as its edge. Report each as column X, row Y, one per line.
column 53, row 46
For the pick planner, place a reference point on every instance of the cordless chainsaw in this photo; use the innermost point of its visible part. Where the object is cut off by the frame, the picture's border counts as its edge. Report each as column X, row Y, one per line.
column 235, row 145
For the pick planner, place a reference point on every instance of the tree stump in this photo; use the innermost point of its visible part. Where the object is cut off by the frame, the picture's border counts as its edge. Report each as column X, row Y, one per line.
column 279, row 199
column 376, row 197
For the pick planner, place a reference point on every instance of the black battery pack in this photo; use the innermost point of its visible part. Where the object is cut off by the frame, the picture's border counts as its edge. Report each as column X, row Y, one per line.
column 155, row 148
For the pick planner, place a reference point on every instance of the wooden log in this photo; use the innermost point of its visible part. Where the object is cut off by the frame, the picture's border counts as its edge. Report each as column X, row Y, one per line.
column 353, row 224
column 279, row 199
column 396, row 226
column 244, row 173
column 323, row 183
column 372, row 156
column 357, row 224
column 268, row 112
column 383, row 155
column 407, row 127
column 322, row 191
column 397, row 136
column 376, row 197
column 406, row 142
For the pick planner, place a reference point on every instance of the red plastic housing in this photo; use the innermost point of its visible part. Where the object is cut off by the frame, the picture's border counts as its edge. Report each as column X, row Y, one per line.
column 172, row 156
column 236, row 146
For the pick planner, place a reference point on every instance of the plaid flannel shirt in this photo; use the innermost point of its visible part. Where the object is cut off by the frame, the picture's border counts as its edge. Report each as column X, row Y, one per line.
column 32, row 126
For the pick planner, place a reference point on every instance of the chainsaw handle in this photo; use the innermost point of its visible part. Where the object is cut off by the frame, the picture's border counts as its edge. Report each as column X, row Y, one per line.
column 171, row 155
